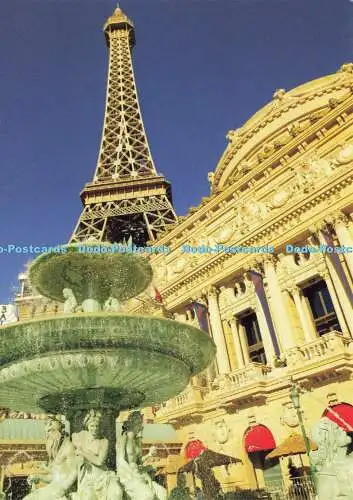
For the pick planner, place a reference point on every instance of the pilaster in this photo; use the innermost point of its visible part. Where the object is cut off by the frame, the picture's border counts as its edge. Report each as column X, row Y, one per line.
column 265, row 332
column 233, row 323
column 217, row 330
column 340, row 223
column 337, row 288
column 279, row 310
column 304, row 313
column 263, row 312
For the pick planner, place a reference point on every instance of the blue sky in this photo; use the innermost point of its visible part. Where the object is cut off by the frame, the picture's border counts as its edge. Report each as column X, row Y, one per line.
column 202, row 67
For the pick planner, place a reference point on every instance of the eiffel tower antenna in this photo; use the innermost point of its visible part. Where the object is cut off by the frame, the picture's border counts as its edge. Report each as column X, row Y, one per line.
column 127, row 196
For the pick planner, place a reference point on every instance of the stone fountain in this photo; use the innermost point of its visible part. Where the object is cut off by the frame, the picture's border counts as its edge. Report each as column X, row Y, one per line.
column 92, row 362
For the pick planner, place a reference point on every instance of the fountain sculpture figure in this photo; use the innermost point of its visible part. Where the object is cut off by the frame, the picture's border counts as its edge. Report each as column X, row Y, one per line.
column 333, row 464
column 90, row 363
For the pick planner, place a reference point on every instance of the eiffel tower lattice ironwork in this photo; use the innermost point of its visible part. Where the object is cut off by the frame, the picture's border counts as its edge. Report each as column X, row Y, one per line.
column 127, row 197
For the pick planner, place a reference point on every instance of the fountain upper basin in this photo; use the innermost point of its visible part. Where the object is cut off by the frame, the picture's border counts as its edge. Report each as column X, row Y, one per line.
column 122, row 360
column 90, row 275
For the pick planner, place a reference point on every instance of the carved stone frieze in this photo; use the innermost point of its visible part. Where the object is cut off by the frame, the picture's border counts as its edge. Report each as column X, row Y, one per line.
column 226, row 297
column 316, row 174
column 246, row 166
column 250, row 213
column 344, row 155
column 180, row 265
column 280, row 198
column 224, row 234
column 337, row 87
column 308, row 174
column 160, row 273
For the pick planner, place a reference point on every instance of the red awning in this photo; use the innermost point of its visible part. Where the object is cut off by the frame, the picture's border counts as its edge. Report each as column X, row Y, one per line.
column 259, row 438
column 342, row 415
column 193, row 449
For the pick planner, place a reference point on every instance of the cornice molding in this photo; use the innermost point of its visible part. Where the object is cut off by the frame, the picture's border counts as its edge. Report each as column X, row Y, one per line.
column 217, row 202
column 217, row 263
column 277, row 109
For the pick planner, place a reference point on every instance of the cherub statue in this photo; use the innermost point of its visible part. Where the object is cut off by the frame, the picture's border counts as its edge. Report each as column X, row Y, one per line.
column 112, row 305
column 70, row 304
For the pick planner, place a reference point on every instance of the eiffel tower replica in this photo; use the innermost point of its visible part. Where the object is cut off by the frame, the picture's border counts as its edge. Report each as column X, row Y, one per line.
column 127, row 197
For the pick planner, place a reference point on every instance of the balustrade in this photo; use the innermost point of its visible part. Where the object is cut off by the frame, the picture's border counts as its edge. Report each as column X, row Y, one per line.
column 191, row 395
column 241, row 377
column 330, row 344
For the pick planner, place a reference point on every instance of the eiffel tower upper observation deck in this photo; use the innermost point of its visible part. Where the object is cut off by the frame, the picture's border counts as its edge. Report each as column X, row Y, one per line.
column 127, row 196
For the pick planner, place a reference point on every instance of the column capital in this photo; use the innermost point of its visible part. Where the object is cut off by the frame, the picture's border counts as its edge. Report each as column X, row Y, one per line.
column 255, row 264
column 315, row 232
column 270, row 258
column 291, row 288
column 337, row 217
column 229, row 317
column 317, row 227
column 323, row 272
column 212, row 291
column 199, row 298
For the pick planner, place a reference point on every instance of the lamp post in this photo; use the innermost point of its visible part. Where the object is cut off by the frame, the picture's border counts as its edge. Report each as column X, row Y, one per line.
column 295, row 398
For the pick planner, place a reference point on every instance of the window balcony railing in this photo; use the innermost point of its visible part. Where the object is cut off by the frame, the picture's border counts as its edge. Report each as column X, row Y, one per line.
column 191, row 396
column 329, row 344
column 241, row 377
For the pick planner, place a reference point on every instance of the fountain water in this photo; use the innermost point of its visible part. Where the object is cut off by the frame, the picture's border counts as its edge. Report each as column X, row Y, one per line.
column 92, row 362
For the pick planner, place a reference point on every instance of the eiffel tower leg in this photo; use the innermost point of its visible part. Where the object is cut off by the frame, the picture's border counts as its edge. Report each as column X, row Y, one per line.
column 89, row 230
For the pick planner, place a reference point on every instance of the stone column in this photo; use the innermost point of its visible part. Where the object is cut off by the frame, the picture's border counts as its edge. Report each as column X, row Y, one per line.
column 265, row 333
column 279, row 310
column 243, row 343
column 340, row 222
column 304, row 314
column 236, row 339
column 259, row 302
column 217, row 331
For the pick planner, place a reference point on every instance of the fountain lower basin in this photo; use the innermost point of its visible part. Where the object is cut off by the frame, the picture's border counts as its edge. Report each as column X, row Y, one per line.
column 106, row 360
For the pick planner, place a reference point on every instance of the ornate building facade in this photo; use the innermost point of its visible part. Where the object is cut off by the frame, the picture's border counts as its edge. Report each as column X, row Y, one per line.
column 269, row 257
column 264, row 264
